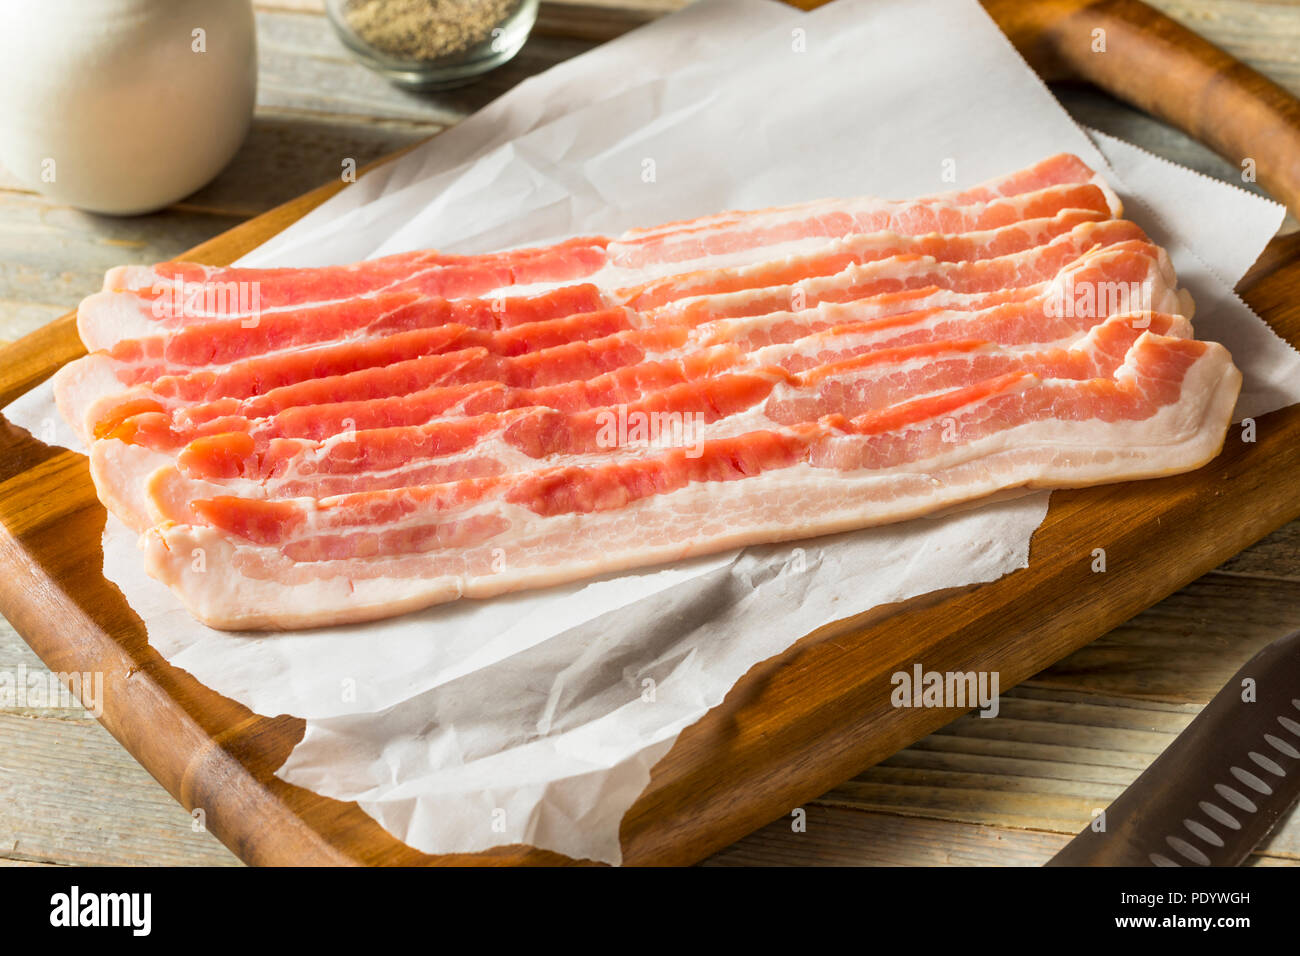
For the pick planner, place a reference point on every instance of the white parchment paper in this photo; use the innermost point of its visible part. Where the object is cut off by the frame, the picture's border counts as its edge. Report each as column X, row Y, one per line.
column 535, row 718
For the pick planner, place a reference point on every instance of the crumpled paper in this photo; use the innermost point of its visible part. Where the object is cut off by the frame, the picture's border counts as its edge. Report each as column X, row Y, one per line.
column 536, row 718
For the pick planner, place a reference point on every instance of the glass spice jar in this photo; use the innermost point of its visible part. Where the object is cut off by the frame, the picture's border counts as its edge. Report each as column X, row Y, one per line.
column 432, row 44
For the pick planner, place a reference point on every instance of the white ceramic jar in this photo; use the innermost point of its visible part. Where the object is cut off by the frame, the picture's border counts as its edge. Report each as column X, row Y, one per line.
column 124, row 106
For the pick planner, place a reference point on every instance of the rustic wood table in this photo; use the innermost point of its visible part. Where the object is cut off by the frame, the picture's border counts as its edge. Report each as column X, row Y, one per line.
column 1006, row 791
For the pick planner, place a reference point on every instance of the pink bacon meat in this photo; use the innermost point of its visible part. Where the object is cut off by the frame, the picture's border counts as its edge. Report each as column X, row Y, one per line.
column 1054, row 247
column 146, row 300
column 356, row 441
column 864, row 217
column 450, row 449
column 134, row 297
column 1058, row 170
column 93, row 403
column 842, row 331
column 643, row 386
column 339, row 326
column 353, row 557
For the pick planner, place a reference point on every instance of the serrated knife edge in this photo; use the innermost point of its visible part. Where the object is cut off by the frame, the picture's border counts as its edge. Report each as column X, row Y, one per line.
column 1219, row 789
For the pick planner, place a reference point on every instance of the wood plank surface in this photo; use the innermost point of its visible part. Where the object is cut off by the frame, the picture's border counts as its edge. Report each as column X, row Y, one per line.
column 950, row 798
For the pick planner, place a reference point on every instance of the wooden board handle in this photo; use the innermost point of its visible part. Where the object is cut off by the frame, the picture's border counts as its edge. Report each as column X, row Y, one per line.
column 1166, row 70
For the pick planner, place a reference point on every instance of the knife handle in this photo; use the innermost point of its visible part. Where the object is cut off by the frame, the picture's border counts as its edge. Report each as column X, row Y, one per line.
column 1220, row 787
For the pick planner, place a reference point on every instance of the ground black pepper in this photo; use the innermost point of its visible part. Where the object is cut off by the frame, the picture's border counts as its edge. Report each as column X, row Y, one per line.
column 425, row 29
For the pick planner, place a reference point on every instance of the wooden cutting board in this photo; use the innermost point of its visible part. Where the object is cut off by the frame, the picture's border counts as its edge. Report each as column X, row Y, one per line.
column 797, row 725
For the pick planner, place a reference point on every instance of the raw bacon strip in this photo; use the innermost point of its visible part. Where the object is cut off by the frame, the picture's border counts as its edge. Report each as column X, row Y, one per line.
column 444, row 450
column 533, row 432
column 362, row 397
column 170, row 301
column 120, row 469
column 870, row 381
column 1138, row 280
column 692, row 409
column 1055, row 185
column 856, row 283
column 562, row 363
column 335, row 282
column 321, row 421
column 124, row 311
column 999, row 270
column 1058, row 170
column 838, row 220
column 225, row 342
column 244, row 336
column 107, row 319
column 1024, row 268
column 869, row 441
column 1061, row 170
column 173, row 368
column 447, row 354
column 252, row 455
column 302, row 562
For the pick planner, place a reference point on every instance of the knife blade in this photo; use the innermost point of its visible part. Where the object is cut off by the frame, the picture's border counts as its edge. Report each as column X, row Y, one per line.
column 1220, row 787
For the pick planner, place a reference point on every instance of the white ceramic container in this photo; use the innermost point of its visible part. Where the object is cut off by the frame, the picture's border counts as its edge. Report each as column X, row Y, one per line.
column 124, row 106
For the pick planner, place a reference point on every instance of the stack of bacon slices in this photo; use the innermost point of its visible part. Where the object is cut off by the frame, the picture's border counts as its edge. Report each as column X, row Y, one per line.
column 303, row 447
